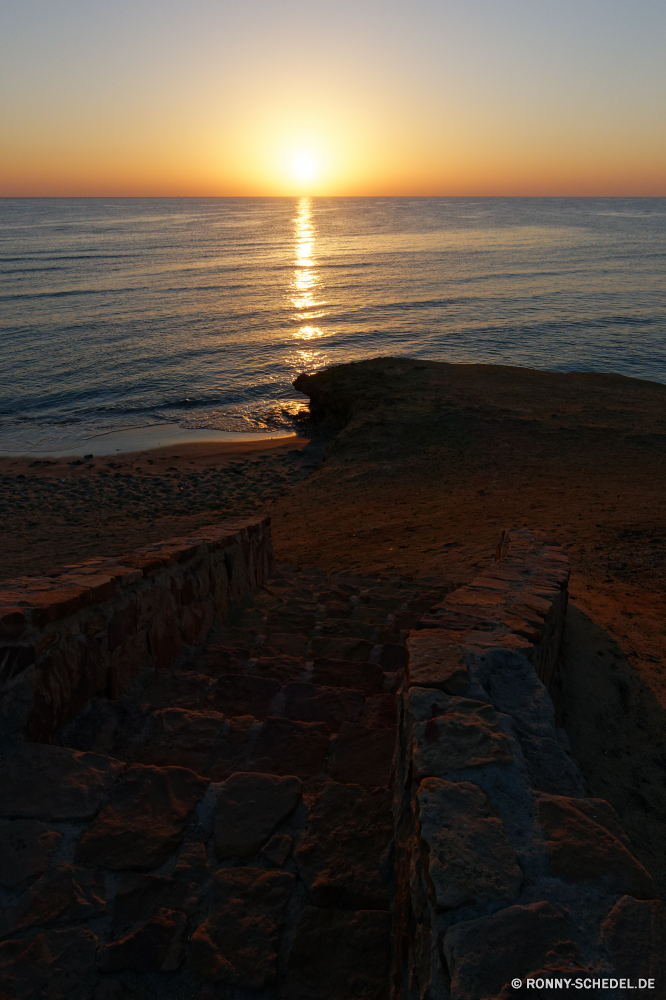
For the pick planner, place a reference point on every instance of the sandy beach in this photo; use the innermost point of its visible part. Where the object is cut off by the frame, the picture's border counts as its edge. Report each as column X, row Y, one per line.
column 66, row 508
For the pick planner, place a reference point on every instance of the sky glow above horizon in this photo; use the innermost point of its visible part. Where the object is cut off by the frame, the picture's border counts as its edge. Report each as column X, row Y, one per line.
column 259, row 98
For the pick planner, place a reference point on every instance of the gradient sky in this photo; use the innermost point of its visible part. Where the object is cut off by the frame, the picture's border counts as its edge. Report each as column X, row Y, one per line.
column 353, row 97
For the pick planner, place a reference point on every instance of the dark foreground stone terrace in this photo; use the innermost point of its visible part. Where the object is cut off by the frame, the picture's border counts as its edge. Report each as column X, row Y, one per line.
column 355, row 789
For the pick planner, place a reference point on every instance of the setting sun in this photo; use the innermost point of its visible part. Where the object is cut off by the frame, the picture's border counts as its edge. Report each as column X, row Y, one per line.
column 304, row 167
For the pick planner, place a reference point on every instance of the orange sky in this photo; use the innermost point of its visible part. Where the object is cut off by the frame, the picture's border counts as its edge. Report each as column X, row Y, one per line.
column 486, row 97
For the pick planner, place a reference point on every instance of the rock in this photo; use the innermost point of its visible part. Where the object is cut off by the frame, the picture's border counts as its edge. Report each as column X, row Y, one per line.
column 229, row 752
column 587, row 844
column 290, row 644
column 192, row 864
column 282, row 669
column 249, row 808
column 338, row 955
column 64, row 893
column 468, row 861
column 295, row 622
column 344, row 851
column 51, row 966
column 309, row 703
column 286, row 747
column 157, row 946
column 237, row 944
column 522, row 941
column 381, row 711
column 348, row 629
column 365, row 677
column 218, row 660
column 181, row 738
column 514, row 689
column 435, row 661
column 634, row 932
column 140, row 896
column 363, row 756
column 26, row 848
column 392, row 656
column 551, row 769
column 39, row 781
column 357, row 650
column 461, row 733
column 144, row 818
column 240, row 695
column 278, row 849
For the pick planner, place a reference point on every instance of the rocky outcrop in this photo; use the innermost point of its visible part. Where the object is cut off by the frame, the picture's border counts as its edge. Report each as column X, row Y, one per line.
column 95, row 627
column 504, row 869
column 355, row 790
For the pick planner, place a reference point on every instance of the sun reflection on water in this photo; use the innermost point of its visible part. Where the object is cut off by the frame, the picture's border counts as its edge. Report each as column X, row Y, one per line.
column 305, row 289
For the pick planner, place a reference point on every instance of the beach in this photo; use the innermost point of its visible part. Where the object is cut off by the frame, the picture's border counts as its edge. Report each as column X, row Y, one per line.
column 64, row 509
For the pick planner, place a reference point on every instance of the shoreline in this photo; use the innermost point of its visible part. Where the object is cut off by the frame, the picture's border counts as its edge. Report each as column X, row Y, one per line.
column 149, row 437
column 179, row 454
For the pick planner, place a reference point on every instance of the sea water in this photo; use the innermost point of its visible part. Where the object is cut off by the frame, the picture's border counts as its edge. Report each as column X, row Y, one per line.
column 118, row 313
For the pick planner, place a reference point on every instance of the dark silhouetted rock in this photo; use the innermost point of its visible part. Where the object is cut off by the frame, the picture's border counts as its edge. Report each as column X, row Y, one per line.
column 586, row 843
column 144, row 818
column 634, row 933
column 286, row 747
column 363, row 756
column 343, row 854
column 468, row 859
column 26, row 848
column 157, row 946
column 338, row 955
column 484, row 955
column 237, row 944
column 249, row 807
column 40, row 781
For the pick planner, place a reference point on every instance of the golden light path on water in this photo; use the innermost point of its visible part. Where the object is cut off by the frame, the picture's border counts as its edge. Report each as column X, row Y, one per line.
column 305, row 288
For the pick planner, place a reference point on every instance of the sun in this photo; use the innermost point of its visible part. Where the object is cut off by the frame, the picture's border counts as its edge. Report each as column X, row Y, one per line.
column 304, row 167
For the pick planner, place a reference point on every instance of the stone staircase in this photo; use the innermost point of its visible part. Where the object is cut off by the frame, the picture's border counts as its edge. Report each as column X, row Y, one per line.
column 265, row 869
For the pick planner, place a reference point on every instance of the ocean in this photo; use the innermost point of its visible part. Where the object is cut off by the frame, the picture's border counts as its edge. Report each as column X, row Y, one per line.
column 121, row 313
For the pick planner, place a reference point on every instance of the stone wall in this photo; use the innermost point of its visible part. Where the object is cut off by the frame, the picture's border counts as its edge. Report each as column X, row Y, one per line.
column 504, row 869
column 92, row 628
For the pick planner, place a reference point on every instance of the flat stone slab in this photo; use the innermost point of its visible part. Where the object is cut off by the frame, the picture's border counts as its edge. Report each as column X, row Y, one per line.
column 156, row 946
column 237, row 944
column 140, row 896
column 634, row 932
column 27, row 846
column 51, row 965
column 365, row 677
column 311, row 703
column 249, row 808
column 469, row 860
column 348, row 648
column 587, row 844
column 519, row 939
column 363, row 756
column 237, row 694
column 344, row 850
column 144, row 818
column 288, row 747
column 461, row 733
column 436, row 661
column 288, row 643
column 280, row 668
column 338, row 955
column 62, row 895
column 40, row 781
